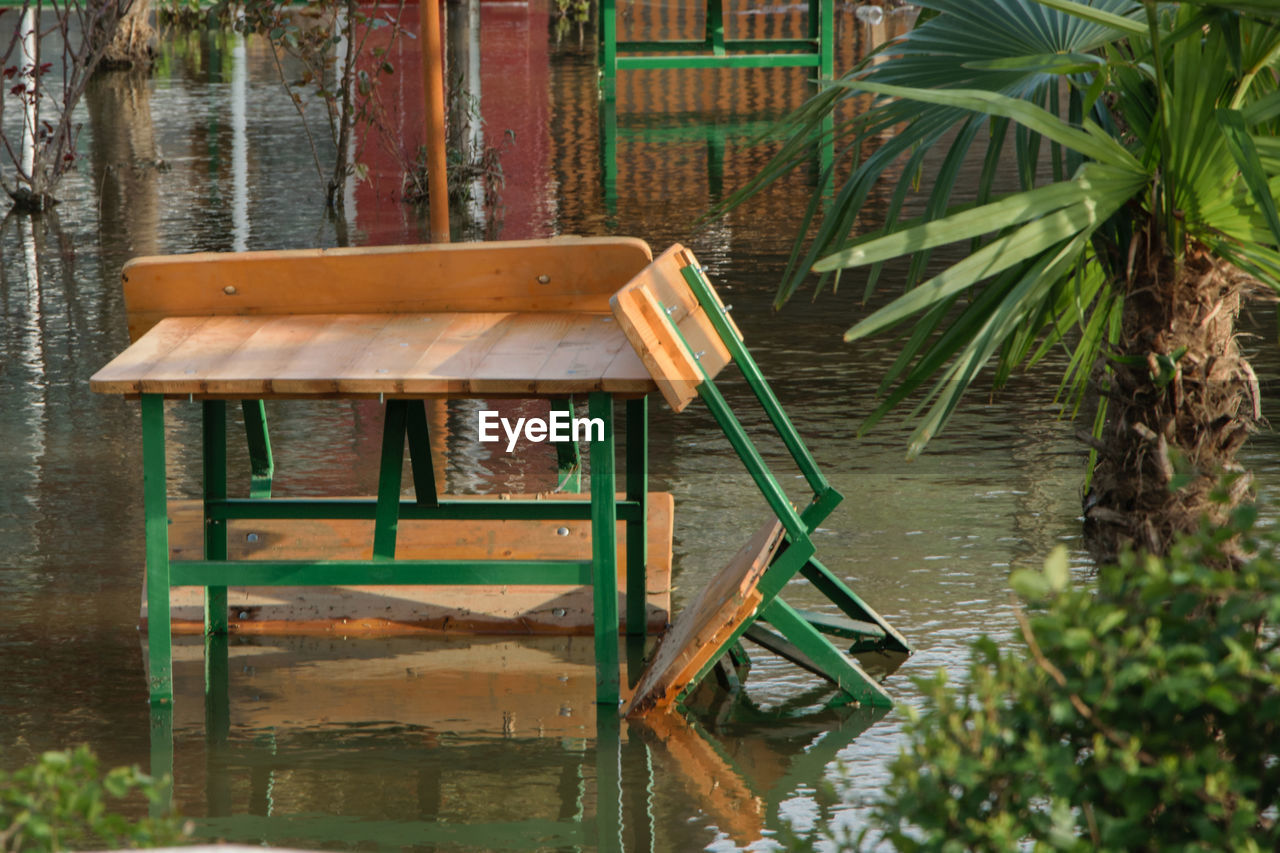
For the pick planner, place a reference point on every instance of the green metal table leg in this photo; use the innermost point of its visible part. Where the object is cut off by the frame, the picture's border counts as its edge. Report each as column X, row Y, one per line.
column 155, row 500
column 637, row 528
column 217, row 724
column 850, row 604
column 604, row 554
column 568, row 455
column 419, row 433
column 215, row 489
column 827, row 40
column 608, row 48
column 387, row 515
column 609, row 782
column 162, row 758
column 609, row 152
column 715, row 27
column 261, row 465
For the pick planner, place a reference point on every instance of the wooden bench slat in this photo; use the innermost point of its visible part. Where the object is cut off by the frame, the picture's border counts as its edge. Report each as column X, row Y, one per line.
column 560, row 274
column 592, row 340
column 390, row 609
column 698, row 634
column 314, row 370
column 120, row 376
column 668, row 361
column 511, row 366
column 668, row 327
column 188, row 364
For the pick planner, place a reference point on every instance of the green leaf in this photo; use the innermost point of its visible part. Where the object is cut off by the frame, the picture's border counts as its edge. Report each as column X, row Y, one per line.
column 1045, row 63
column 1246, row 155
column 1097, row 16
column 1026, row 242
column 1031, row 586
column 1057, row 571
column 1095, row 144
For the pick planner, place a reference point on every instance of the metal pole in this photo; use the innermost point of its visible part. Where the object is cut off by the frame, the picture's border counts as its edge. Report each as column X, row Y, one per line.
column 433, row 97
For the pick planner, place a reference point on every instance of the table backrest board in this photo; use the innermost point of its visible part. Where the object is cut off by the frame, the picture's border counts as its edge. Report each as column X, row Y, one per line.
column 561, row 274
column 673, row 335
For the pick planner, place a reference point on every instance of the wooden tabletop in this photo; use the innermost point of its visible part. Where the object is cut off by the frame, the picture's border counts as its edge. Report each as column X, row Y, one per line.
column 358, row 355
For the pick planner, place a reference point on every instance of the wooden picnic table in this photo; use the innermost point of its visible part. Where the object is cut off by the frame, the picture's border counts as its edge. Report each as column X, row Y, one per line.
column 494, row 354
column 307, row 325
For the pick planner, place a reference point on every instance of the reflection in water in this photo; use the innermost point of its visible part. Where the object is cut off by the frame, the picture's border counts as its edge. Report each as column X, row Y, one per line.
column 376, row 736
column 486, row 744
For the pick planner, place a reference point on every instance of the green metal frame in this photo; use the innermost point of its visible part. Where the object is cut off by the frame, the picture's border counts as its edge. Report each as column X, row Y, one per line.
column 405, row 420
column 800, row 637
column 714, row 50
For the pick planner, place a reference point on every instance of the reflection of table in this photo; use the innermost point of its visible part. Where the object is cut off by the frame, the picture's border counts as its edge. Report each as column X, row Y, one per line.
column 238, row 343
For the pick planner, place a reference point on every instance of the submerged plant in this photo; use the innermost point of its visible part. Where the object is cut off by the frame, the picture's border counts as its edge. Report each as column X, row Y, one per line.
column 45, row 90
column 1143, row 136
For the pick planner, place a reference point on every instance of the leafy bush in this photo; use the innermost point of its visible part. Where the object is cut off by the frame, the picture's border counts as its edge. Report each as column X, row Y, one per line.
column 1137, row 713
column 61, row 803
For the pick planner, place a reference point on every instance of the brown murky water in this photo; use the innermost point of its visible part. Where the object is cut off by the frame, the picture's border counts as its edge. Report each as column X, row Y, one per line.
column 483, row 743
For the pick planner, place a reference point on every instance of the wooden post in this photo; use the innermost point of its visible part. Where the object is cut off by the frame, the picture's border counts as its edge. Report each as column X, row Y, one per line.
column 433, row 122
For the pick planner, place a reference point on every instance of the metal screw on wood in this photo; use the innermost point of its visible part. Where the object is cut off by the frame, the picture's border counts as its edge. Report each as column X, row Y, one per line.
column 230, row 290
column 544, row 279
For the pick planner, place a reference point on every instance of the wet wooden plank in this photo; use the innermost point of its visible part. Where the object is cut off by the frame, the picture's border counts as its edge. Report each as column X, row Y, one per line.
column 513, row 363
column 407, row 345
column 186, row 367
column 591, row 341
column 699, row 634
column 339, row 342
column 664, row 278
column 668, row 361
column 669, row 329
column 560, row 274
column 468, row 354
column 399, row 609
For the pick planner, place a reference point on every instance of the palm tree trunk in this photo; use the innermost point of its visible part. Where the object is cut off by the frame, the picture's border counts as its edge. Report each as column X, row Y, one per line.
column 1181, row 401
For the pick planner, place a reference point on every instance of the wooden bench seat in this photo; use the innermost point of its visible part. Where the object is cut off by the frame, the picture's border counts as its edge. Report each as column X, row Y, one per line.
column 535, row 609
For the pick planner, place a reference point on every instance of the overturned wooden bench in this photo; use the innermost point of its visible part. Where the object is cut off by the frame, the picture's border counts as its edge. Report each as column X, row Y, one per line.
column 686, row 337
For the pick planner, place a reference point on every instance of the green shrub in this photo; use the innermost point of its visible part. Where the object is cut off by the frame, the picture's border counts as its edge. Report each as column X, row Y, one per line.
column 1139, row 712
column 61, row 803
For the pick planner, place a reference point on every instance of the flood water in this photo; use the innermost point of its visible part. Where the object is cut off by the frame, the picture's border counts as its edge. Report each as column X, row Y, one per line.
column 487, row 743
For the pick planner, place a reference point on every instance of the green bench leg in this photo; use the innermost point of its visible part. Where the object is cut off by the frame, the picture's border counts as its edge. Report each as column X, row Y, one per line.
column 715, row 27
column 162, row 759
column 608, row 49
column 638, row 528
column 568, row 455
column 851, row 605
column 827, row 37
column 826, row 659
column 156, row 510
column 419, row 433
column 608, row 824
column 215, row 489
column 386, row 520
column 217, row 724
column 261, row 465
column 609, row 153
column 604, row 552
